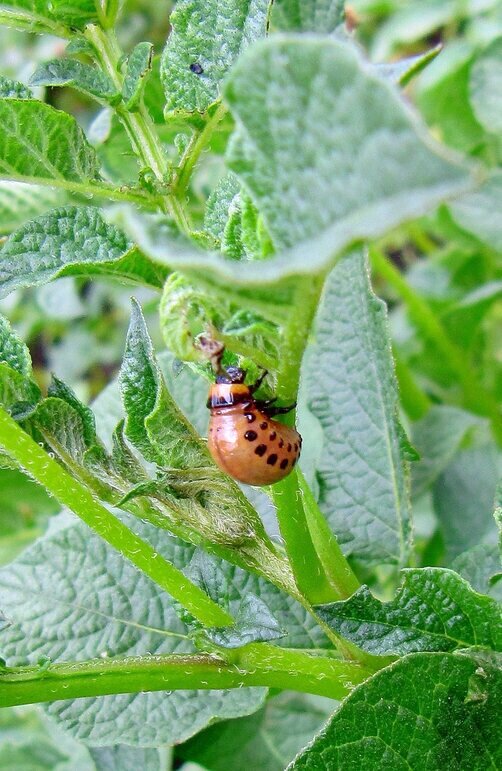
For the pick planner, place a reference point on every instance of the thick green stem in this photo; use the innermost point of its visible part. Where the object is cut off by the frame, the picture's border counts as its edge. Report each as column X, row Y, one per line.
column 338, row 571
column 475, row 397
column 73, row 494
column 255, row 665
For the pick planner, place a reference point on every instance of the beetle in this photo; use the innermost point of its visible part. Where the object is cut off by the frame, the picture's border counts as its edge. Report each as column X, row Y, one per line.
column 244, row 440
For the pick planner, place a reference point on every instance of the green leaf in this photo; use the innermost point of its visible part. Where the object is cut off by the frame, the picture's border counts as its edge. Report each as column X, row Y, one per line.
column 12, row 349
column 474, row 211
column 200, row 51
column 41, row 144
column 20, row 202
column 31, row 756
column 479, row 566
column 154, row 424
column 308, row 15
column 404, row 70
column 71, row 597
column 486, row 87
column 443, row 98
column 124, row 758
column 24, row 509
column 438, row 436
column 350, row 387
column 84, row 77
column 60, row 390
column 348, row 139
column 267, row 740
column 35, row 14
column 72, row 241
column 434, row 610
column 253, row 623
column 17, row 394
column 62, row 428
column 419, row 713
column 230, row 586
column 13, row 89
column 463, row 498
column 139, row 65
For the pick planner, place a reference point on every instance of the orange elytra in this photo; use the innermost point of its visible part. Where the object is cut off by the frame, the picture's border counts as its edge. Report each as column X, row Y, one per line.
column 243, row 439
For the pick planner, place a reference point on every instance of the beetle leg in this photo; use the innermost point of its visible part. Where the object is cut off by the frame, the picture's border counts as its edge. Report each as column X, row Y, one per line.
column 271, row 411
column 258, row 383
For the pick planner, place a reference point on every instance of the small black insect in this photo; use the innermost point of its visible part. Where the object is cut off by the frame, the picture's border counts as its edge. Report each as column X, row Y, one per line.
column 197, row 68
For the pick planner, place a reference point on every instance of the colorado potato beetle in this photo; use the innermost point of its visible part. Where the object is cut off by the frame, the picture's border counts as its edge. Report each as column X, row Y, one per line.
column 243, row 439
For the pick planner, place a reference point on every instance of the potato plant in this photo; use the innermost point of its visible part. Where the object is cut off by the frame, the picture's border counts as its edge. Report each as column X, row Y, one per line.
column 316, row 188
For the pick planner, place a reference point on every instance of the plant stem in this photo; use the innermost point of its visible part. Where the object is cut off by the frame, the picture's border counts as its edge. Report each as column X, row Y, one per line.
column 257, row 665
column 475, row 397
column 139, row 126
column 195, row 147
column 73, row 494
column 338, row 571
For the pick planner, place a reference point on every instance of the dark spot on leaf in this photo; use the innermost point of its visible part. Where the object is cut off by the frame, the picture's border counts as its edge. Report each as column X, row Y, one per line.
column 272, row 459
column 284, row 463
column 197, row 68
column 250, row 436
column 261, row 449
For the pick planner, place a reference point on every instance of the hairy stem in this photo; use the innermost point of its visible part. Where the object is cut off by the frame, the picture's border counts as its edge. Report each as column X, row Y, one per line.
column 139, row 125
column 72, row 493
column 255, row 665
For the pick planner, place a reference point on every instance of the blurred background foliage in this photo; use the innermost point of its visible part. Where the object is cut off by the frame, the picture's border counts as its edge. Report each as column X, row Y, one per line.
column 441, row 277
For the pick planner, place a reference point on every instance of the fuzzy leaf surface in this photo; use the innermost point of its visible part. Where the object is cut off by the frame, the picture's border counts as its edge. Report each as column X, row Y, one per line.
column 77, row 13
column 361, row 472
column 205, row 41
column 41, row 144
column 479, row 566
column 322, row 16
column 12, row 349
column 139, row 65
column 312, row 115
column 71, row 72
column 20, row 202
column 71, row 597
column 267, row 740
column 474, row 211
column 13, row 89
column 486, row 87
column 434, row 610
column 463, row 498
column 426, row 711
column 72, row 241
column 437, row 437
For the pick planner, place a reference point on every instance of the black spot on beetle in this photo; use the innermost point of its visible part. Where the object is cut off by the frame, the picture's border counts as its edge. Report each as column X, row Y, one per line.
column 296, row 447
column 289, row 447
column 272, row 459
column 261, row 450
column 250, row 436
column 264, row 425
column 197, row 68
column 281, row 443
column 284, row 463
column 272, row 436
column 249, row 417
